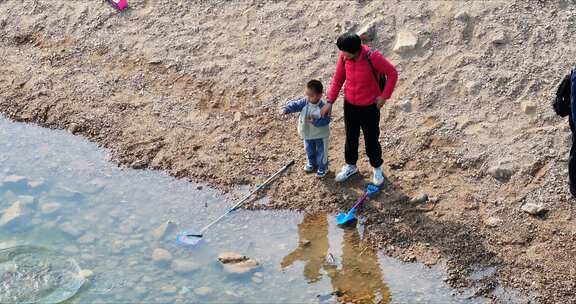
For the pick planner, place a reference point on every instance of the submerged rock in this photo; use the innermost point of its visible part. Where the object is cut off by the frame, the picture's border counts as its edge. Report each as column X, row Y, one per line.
column 49, row 207
column 183, row 266
column 203, row 291
column 72, row 229
column 160, row 255
column 15, row 181
column 15, row 215
column 86, row 273
column 163, row 230
column 65, row 193
column 87, row 238
column 169, row 290
column 27, row 201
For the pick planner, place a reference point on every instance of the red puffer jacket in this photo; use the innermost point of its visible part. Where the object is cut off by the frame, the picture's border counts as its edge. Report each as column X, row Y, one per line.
column 361, row 84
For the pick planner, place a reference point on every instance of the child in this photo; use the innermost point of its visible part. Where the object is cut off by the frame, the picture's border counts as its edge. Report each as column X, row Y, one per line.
column 312, row 128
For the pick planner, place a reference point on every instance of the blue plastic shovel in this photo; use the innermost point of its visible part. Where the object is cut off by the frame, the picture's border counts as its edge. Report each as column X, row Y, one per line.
column 345, row 218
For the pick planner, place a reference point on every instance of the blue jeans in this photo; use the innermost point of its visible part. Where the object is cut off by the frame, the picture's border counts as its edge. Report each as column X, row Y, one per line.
column 317, row 153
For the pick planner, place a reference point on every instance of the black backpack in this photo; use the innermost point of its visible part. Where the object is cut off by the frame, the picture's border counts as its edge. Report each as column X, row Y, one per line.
column 561, row 103
column 381, row 78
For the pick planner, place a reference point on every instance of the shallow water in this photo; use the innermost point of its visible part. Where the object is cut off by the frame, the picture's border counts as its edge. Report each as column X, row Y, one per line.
column 78, row 204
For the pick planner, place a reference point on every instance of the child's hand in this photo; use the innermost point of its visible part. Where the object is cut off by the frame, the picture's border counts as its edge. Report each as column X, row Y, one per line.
column 281, row 111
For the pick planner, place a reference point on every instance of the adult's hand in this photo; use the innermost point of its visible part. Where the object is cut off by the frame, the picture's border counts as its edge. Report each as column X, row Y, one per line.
column 326, row 109
column 380, row 102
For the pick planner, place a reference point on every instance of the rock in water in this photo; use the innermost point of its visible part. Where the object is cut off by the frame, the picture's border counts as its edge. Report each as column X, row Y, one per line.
column 534, row 209
column 163, row 230
column 203, row 291
column 169, row 290
column 241, row 267
column 86, row 273
column 235, row 263
column 184, row 266
column 27, row 201
column 49, row 208
column 160, row 255
column 15, row 182
column 14, row 216
column 231, row 257
column 405, row 41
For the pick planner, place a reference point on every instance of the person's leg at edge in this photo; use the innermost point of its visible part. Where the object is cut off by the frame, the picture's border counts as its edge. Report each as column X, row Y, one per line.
column 352, row 126
column 371, row 130
column 572, row 161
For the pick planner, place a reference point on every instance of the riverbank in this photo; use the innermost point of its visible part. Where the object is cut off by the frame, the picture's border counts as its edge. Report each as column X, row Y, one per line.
column 192, row 89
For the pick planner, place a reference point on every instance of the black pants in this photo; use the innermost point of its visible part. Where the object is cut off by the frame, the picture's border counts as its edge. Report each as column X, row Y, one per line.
column 572, row 160
column 366, row 118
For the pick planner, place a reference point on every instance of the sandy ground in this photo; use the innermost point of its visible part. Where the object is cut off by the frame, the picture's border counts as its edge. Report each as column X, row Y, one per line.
column 192, row 88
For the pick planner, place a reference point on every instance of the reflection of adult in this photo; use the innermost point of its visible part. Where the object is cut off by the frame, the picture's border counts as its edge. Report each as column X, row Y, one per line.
column 360, row 278
column 359, row 67
column 358, row 281
column 313, row 233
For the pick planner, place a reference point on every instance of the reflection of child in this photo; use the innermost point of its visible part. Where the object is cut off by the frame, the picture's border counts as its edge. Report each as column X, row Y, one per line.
column 312, row 128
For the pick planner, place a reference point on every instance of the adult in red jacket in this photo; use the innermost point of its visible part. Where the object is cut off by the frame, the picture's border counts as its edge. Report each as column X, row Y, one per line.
column 362, row 101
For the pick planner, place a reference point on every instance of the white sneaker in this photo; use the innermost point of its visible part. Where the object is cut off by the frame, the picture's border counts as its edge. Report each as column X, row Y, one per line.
column 378, row 177
column 346, row 172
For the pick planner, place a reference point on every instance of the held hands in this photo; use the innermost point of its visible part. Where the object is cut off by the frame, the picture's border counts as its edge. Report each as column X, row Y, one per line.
column 380, row 102
column 326, row 110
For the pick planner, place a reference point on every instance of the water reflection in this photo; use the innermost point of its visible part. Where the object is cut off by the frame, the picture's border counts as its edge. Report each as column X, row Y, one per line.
column 357, row 279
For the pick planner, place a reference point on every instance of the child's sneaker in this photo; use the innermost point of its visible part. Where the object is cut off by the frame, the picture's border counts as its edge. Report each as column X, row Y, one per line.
column 346, row 172
column 321, row 173
column 308, row 168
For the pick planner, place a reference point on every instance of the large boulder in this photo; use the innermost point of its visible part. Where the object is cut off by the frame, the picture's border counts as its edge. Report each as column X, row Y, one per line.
column 405, row 41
